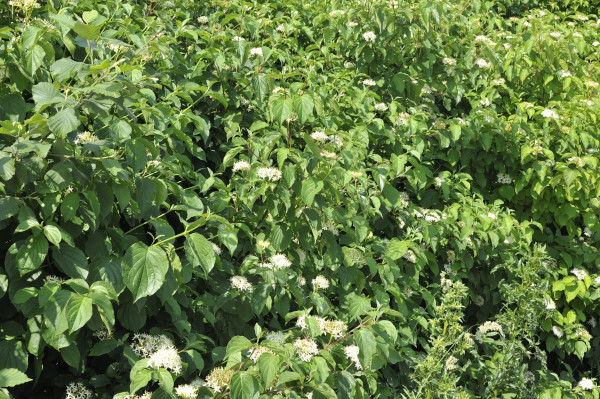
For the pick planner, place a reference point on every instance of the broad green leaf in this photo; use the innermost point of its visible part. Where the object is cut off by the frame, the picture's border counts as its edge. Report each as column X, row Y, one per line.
column 71, row 261
column 103, row 347
column 65, row 68
column 244, row 386
column 53, row 234
column 199, row 252
column 12, row 377
column 396, row 248
column 35, row 59
column 63, row 122
column 45, row 93
column 139, row 376
column 79, row 311
column 268, row 366
column 357, row 305
column 281, row 109
column 365, row 340
column 32, row 253
column 310, row 188
column 144, row 269
column 303, row 107
column 12, row 108
column 69, row 206
column 88, row 32
column 7, row 166
column 237, row 344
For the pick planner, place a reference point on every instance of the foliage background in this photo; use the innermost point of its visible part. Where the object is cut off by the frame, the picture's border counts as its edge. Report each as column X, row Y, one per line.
column 450, row 202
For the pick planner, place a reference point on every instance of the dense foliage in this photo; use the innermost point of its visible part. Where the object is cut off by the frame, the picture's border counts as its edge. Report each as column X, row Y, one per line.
column 289, row 199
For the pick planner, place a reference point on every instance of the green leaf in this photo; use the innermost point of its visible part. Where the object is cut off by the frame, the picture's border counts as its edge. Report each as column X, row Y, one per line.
column 199, row 252
column 64, row 122
column 7, row 166
column 45, row 93
column 144, row 269
column 69, row 206
column 310, row 188
column 303, row 107
column 71, row 261
column 12, row 377
column 396, row 248
column 31, row 254
column 34, row 59
column 357, row 305
column 79, row 311
column 139, row 376
column 12, row 107
column 366, row 342
column 104, row 347
column 53, row 234
column 65, row 68
column 90, row 16
column 228, row 236
column 88, row 32
column 268, row 366
column 237, row 344
column 281, row 109
column 165, row 380
column 244, row 386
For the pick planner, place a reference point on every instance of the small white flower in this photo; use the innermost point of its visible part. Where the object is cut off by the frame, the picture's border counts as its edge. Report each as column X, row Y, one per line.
column 166, row 358
column 280, row 261
column 439, row 181
column 586, row 384
column 241, row 283
column 557, row 331
column 216, row 248
column 499, row 81
column 275, row 336
column 352, row 352
column 548, row 113
column 329, row 154
column 241, row 165
column 381, row 107
column 352, row 24
column 187, row 391
column 449, row 61
column 255, row 352
column 555, row 35
column 256, row 51
column 320, row 283
column 492, row 215
column 238, row 38
column 271, row 174
column 369, row 37
column 280, row 28
column 301, row 281
column 549, row 304
column 319, row 136
column 306, row 349
column 369, row 82
column 203, row 19
column 481, row 63
column 486, row 102
column 579, row 273
column 78, row 391
column 564, row 74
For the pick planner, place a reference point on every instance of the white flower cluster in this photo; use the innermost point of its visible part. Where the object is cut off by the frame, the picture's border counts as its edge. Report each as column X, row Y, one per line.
column 241, row 165
column 579, row 273
column 241, row 283
column 263, row 244
column 548, row 113
column 369, row 37
column 381, row 107
column 319, row 136
column 557, row 331
column 410, row 256
column 503, row 178
column 187, row 391
column 449, row 61
column 166, row 358
column 256, row 351
column 451, row 362
column 489, row 326
column 103, row 333
column 280, row 261
column 271, row 174
column 439, row 181
column 85, row 137
column 335, row 328
column 329, row 154
column 320, row 283
column 256, row 51
column 481, row 63
column 76, row 390
column 219, row 378
column 352, row 352
column 369, row 82
column 306, row 348
column 203, row 19
column 216, row 249
column 549, row 304
column 586, row 384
